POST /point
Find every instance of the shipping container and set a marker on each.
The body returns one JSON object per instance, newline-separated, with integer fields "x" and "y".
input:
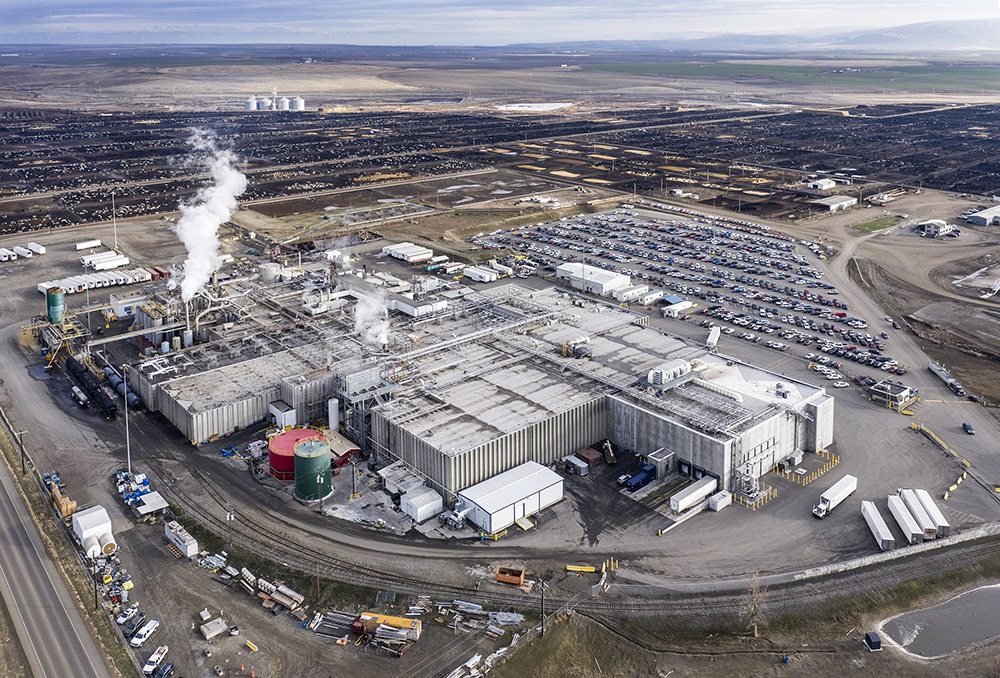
{"x": 911, "y": 531}
{"x": 694, "y": 493}
{"x": 919, "y": 514}
{"x": 510, "y": 575}
{"x": 881, "y": 532}
{"x": 943, "y": 528}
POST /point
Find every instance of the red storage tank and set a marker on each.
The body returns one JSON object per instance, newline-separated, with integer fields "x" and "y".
{"x": 281, "y": 451}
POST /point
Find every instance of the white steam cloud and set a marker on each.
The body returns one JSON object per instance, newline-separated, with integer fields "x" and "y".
{"x": 371, "y": 320}
{"x": 212, "y": 205}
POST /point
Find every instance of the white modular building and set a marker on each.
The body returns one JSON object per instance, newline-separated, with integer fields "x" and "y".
{"x": 421, "y": 503}
{"x": 499, "y": 502}
{"x": 181, "y": 538}
{"x": 834, "y": 203}
{"x": 592, "y": 279}
{"x": 822, "y": 184}
{"x": 92, "y": 528}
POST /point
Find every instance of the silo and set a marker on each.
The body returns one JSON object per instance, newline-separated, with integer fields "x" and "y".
{"x": 188, "y": 339}
{"x": 269, "y": 272}
{"x": 281, "y": 451}
{"x": 54, "y": 304}
{"x": 264, "y": 104}
{"x": 298, "y": 104}
{"x": 250, "y": 104}
{"x": 175, "y": 343}
{"x": 283, "y": 104}
{"x": 312, "y": 469}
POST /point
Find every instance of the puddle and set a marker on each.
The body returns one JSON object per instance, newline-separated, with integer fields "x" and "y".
{"x": 933, "y": 632}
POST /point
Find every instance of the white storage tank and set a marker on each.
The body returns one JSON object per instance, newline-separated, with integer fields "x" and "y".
{"x": 250, "y": 104}
{"x": 264, "y": 104}
{"x": 298, "y": 104}
{"x": 92, "y": 528}
{"x": 269, "y": 272}
{"x": 283, "y": 104}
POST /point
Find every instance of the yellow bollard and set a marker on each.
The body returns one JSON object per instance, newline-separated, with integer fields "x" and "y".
{"x": 946, "y": 496}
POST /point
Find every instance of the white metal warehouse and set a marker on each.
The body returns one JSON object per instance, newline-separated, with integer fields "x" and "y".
{"x": 518, "y": 493}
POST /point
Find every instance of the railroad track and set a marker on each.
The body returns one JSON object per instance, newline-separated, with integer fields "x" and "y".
{"x": 281, "y": 548}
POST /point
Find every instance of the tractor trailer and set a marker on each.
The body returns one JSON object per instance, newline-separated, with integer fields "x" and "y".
{"x": 830, "y": 499}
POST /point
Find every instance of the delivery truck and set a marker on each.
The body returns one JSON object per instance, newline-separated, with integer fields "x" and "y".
{"x": 830, "y": 499}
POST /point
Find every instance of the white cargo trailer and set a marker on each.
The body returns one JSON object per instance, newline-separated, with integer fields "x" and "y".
{"x": 692, "y": 494}
{"x": 111, "y": 263}
{"x": 9, "y": 255}
{"x": 881, "y": 532}
{"x": 91, "y": 259}
{"x": 906, "y": 523}
{"x": 87, "y": 245}
{"x": 36, "y": 248}
{"x": 23, "y": 252}
{"x": 943, "y": 528}
{"x": 479, "y": 274}
{"x": 919, "y": 514}
{"x": 830, "y": 499}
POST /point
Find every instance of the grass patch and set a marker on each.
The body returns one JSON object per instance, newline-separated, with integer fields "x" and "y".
{"x": 876, "y": 224}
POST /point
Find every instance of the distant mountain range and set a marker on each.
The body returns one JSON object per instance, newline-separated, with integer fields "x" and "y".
{"x": 931, "y": 36}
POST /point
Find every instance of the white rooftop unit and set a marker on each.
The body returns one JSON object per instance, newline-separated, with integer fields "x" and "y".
{"x": 943, "y": 528}
{"x": 421, "y": 503}
{"x": 911, "y": 530}
{"x": 505, "y": 498}
{"x": 668, "y": 371}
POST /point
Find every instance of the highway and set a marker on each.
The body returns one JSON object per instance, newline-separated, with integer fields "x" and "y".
{"x": 46, "y": 620}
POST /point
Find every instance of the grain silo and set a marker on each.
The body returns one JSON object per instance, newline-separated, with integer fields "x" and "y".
{"x": 312, "y": 469}
{"x": 250, "y": 104}
{"x": 55, "y": 305}
{"x": 298, "y": 104}
{"x": 282, "y": 104}
{"x": 264, "y": 104}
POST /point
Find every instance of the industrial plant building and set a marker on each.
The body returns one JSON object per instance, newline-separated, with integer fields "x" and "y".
{"x": 481, "y": 383}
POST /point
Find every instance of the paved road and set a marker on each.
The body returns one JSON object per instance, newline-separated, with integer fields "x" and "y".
{"x": 47, "y": 622}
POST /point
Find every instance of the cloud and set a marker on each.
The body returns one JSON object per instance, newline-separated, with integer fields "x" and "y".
{"x": 409, "y": 22}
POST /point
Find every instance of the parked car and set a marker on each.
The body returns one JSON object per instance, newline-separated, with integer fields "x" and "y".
{"x": 968, "y": 429}
{"x": 134, "y": 625}
{"x": 840, "y": 384}
{"x": 127, "y": 614}
{"x": 143, "y": 634}
{"x": 624, "y": 478}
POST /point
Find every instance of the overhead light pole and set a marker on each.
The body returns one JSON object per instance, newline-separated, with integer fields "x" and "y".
{"x": 20, "y": 443}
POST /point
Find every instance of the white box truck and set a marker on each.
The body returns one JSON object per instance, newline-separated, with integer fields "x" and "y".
{"x": 830, "y": 499}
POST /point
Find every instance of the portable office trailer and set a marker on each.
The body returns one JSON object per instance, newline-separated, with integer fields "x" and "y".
{"x": 919, "y": 514}
{"x": 906, "y": 523}
{"x": 881, "y": 532}
{"x": 943, "y": 528}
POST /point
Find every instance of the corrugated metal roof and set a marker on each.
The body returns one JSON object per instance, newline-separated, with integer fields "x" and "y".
{"x": 421, "y": 497}
{"x": 511, "y": 486}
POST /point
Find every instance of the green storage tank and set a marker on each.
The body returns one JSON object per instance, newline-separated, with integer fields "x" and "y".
{"x": 54, "y": 304}
{"x": 312, "y": 469}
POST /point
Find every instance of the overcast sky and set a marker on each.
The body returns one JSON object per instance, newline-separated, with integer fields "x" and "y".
{"x": 444, "y": 22}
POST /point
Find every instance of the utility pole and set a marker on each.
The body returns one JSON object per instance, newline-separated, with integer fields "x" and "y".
{"x": 319, "y": 483}
{"x": 95, "y": 583}
{"x": 230, "y": 517}
{"x": 542, "y": 586}
{"x": 20, "y": 442}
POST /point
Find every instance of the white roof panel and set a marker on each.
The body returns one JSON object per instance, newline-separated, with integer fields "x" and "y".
{"x": 511, "y": 486}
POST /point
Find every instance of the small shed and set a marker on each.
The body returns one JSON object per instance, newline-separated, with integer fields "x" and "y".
{"x": 214, "y": 628}
{"x": 589, "y": 455}
{"x": 421, "y": 503}
{"x": 873, "y": 642}
{"x": 398, "y": 477}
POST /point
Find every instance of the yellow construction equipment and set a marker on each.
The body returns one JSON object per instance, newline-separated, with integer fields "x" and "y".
{"x": 580, "y": 568}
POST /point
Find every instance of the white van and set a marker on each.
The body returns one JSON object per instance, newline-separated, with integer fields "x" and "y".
{"x": 145, "y": 632}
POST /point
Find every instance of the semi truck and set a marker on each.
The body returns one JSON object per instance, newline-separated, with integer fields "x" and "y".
{"x": 830, "y": 499}
{"x": 951, "y": 382}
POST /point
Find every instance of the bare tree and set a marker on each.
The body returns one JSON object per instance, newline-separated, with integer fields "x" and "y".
{"x": 753, "y": 605}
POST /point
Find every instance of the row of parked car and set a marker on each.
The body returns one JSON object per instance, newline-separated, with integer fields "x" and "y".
{"x": 137, "y": 630}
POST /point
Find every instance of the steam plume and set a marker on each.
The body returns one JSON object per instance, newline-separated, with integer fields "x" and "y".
{"x": 371, "y": 320}
{"x": 212, "y": 205}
